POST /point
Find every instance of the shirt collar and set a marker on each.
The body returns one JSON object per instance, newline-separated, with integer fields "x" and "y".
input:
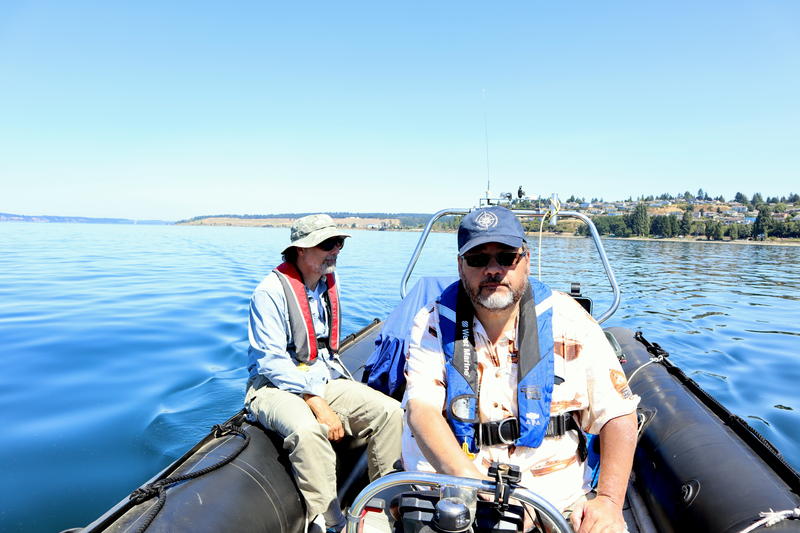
{"x": 509, "y": 334}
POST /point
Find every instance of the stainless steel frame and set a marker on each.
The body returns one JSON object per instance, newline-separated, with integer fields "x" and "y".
{"x": 425, "y": 478}
{"x": 523, "y": 212}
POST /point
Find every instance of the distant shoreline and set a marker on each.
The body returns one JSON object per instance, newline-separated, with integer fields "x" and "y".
{"x": 377, "y": 224}
{"x": 365, "y": 223}
{"x": 285, "y": 222}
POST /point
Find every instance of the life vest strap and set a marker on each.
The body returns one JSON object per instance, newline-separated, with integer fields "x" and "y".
{"x": 506, "y": 431}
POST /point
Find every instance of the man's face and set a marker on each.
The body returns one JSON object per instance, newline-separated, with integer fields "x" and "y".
{"x": 316, "y": 261}
{"x": 494, "y": 286}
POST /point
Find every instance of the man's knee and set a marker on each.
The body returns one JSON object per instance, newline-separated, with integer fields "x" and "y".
{"x": 395, "y": 415}
{"x": 380, "y": 402}
{"x": 388, "y": 415}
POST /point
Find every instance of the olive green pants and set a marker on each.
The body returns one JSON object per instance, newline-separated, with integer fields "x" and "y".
{"x": 365, "y": 414}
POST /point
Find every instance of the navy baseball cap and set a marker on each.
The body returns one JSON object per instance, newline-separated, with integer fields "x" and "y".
{"x": 490, "y": 224}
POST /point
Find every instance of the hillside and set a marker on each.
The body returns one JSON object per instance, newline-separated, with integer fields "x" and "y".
{"x": 354, "y": 222}
{"x": 11, "y": 217}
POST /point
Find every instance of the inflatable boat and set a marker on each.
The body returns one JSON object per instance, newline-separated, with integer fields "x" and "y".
{"x": 697, "y": 466}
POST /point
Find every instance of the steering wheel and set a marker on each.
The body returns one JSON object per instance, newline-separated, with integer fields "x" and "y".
{"x": 545, "y": 509}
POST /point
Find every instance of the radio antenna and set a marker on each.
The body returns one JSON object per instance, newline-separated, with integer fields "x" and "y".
{"x": 486, "y": 139}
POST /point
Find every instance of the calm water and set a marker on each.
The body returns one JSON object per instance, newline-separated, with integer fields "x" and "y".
{"x": 122, "y": 345}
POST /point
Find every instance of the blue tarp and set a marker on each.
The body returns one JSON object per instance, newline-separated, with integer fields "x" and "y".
{"x": 384, "y": 368}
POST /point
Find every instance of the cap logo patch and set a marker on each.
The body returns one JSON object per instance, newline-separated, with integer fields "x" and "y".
{"x": 486, "y": 220}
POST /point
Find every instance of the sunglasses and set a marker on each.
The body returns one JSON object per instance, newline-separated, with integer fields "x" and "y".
{"x": 328, "y": 244}
{"x": 504, "y": 259}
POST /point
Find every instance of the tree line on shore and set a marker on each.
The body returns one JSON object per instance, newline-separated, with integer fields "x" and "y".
{"x": 753, "y": 203}
{"x": 640, "y": 223}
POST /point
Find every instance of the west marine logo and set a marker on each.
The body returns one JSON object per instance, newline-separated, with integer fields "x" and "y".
{"x": 486, "y": 220}
{"x": 467, "y": 348}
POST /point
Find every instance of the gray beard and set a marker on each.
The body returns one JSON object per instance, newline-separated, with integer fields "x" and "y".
{"x": 495, "y": 302}
{"x": 328, "y": 269}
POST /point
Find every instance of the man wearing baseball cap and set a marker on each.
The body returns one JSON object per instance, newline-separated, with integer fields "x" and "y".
{"x": 503, "y": 369}
{"x": 298, "y": 386}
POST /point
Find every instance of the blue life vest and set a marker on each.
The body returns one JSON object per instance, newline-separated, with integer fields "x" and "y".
{"x": 535, "y": 367}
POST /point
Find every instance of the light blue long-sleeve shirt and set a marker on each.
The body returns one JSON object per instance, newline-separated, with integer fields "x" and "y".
{"x": 271, "y": 350}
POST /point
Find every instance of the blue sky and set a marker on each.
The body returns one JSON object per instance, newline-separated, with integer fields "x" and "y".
{"x": 174, "y": 109}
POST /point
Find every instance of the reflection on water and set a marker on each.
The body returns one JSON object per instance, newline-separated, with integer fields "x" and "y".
{"x": 122, "y": 345}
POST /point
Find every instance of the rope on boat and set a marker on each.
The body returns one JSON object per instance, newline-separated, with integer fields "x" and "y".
{"x": 338, "y": 359}
{"x": 770, "y": 518}
{"x": 159, "y": 488}
{"x": 650, "y": 362}
{"x": 657, "y": 353}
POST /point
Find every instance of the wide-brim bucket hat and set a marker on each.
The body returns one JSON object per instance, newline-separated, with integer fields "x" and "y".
{"x": 311, "y": 230}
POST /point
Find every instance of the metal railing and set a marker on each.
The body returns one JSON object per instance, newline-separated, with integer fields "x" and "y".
{"x": 536, "y": 213}
{"x": 546, "y": 509}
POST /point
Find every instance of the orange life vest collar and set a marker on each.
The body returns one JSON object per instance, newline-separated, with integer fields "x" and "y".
{"x": 301, "y": 323}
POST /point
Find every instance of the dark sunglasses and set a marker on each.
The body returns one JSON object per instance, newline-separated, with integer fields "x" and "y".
{"x": 504, "y": 259}
{"x": 328, "y": 244}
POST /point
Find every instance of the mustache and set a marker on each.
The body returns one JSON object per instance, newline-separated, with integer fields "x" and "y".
{"x": 493, "y": 278}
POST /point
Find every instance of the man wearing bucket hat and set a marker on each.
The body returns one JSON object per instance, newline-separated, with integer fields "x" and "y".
{"x": 501, "y": 368}
{"x": 298, "y": 387}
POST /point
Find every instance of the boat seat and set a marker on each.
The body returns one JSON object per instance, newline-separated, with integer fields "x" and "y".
{"x": 384, "y": 368}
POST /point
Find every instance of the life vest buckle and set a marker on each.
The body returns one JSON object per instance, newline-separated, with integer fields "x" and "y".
{"x": 513, "y": 429}
{"x": 504, "y": 431}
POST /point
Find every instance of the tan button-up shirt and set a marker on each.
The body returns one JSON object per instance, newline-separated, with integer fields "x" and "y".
{"x": 594, "y": 389}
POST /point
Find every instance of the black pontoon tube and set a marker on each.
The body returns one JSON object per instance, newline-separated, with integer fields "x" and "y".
{"x": 254, "y": 492}
{"x": 697, "y": 466}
